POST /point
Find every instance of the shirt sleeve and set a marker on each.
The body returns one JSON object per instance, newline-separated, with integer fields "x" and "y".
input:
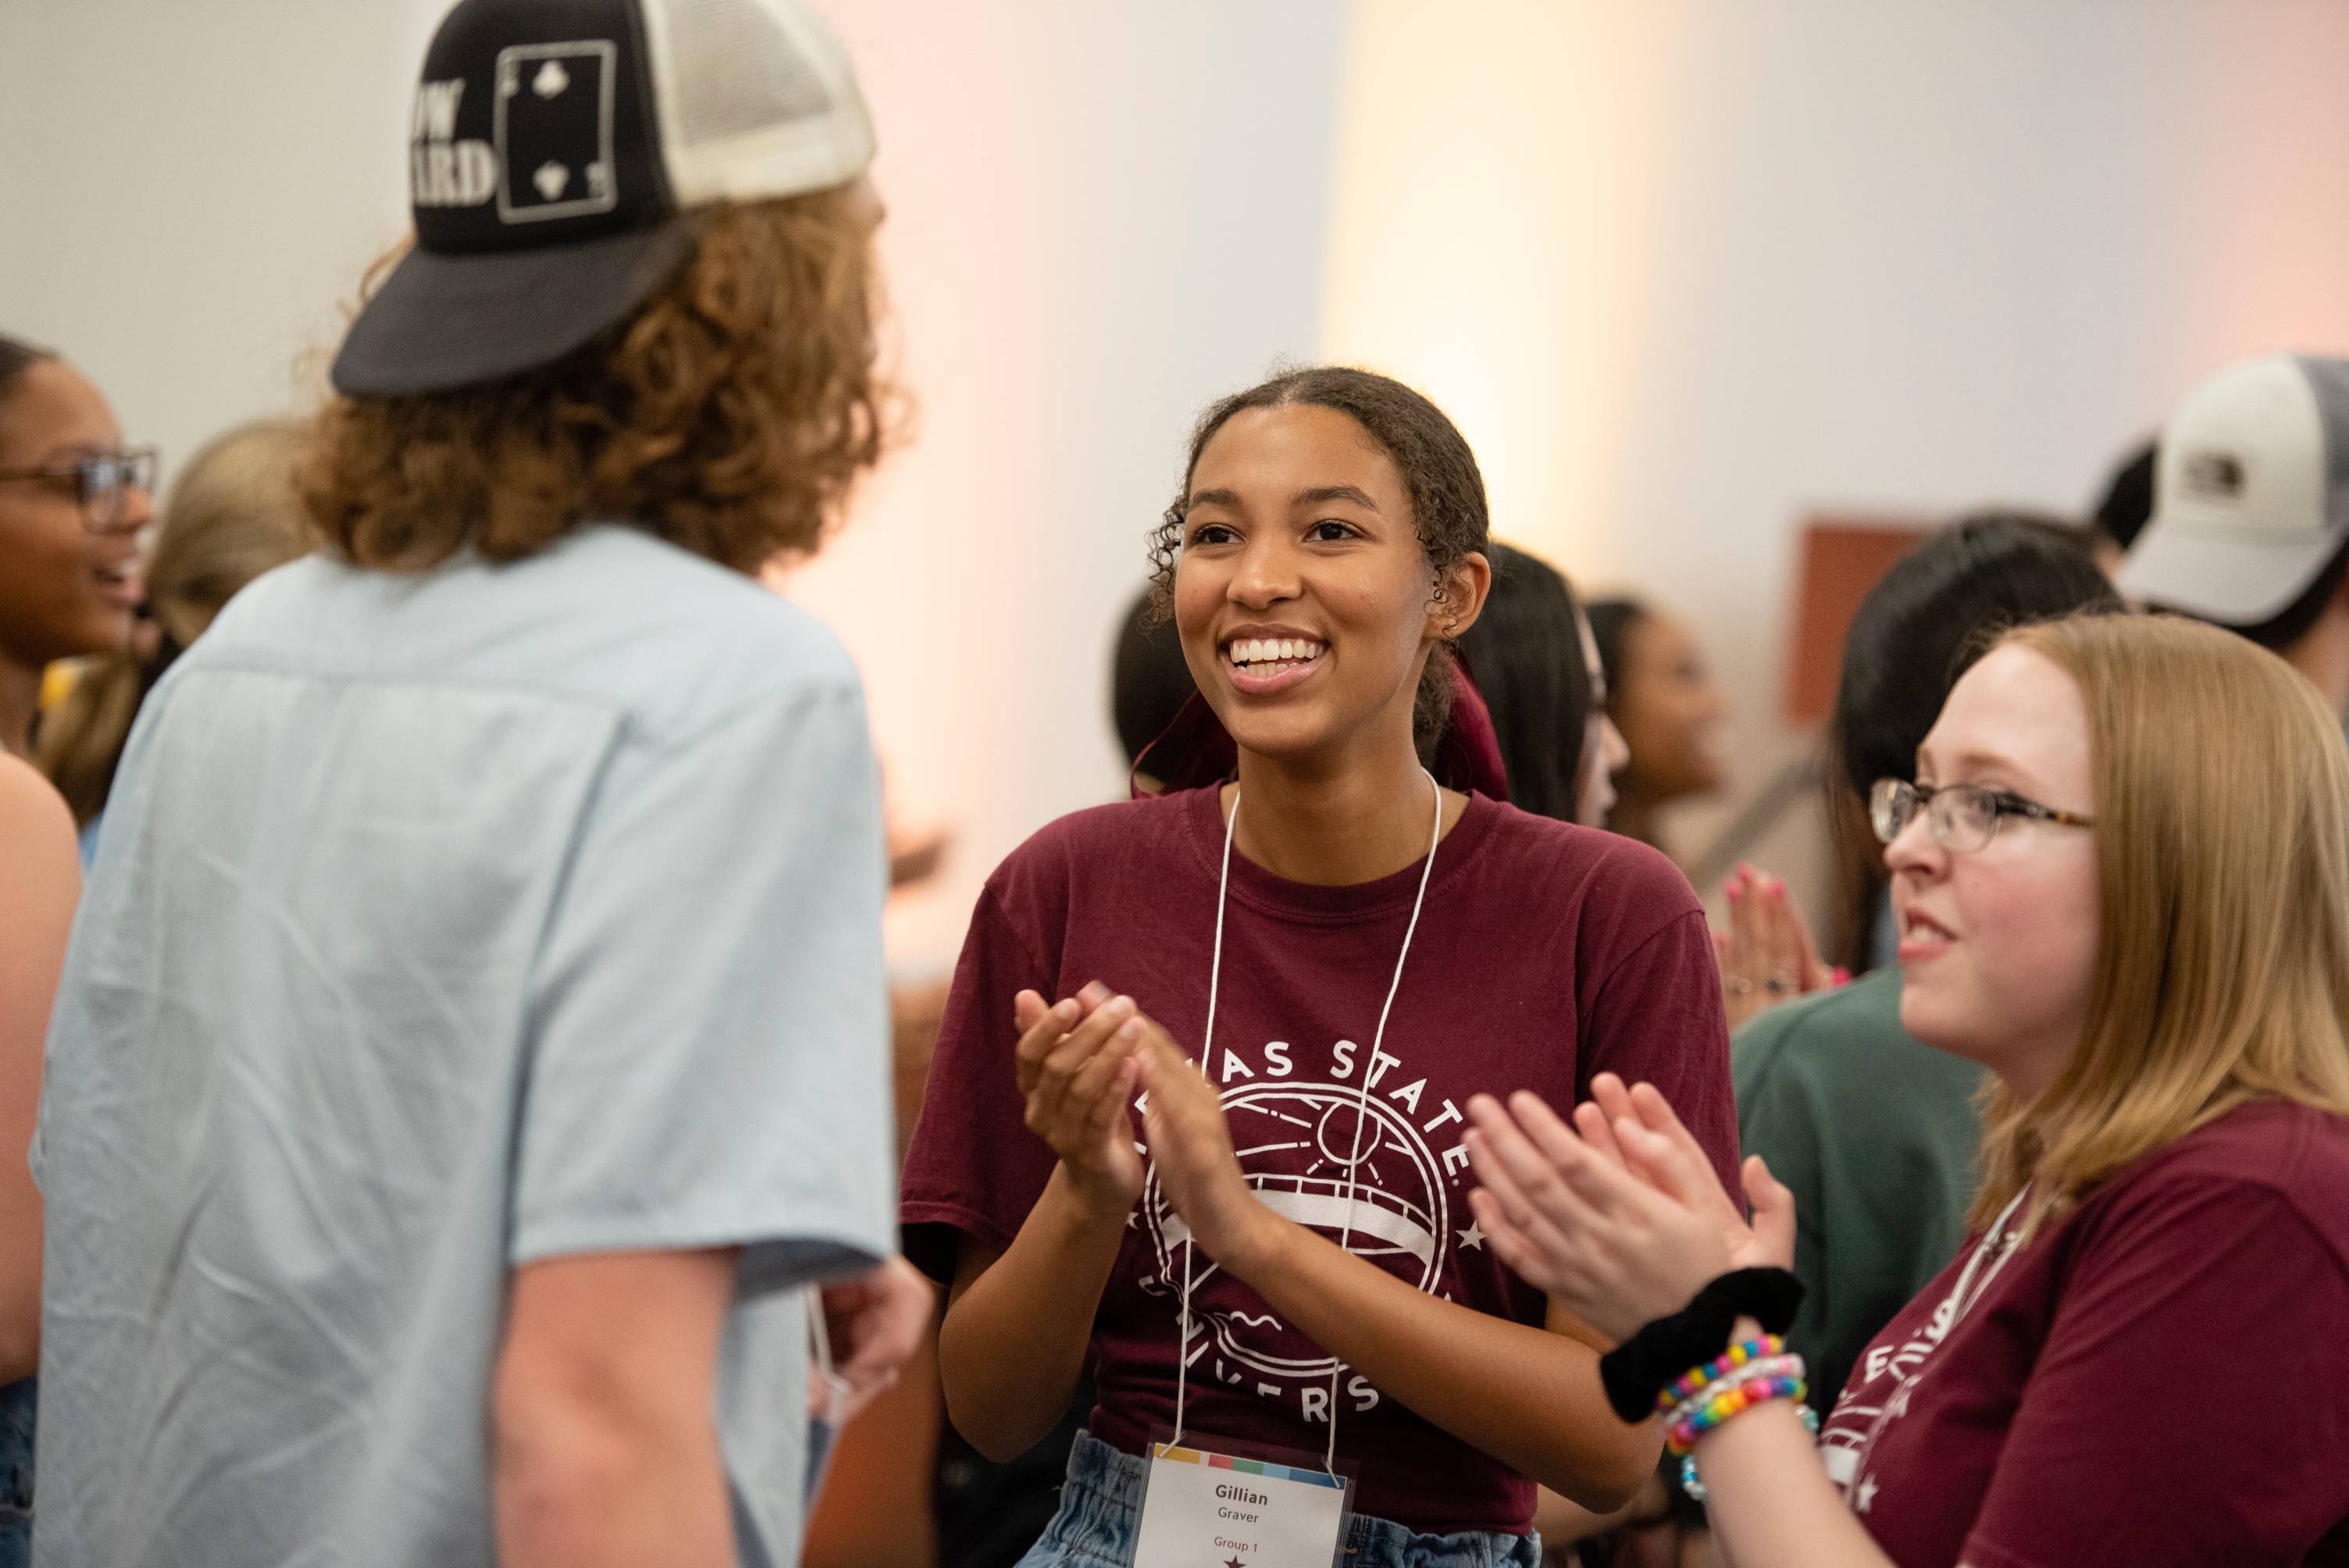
{"x": 1656, "y": 1018}
{"x": 2185, "y": 1407}
{"x": 975, "y": 1168}
{"x": 709, "y": 1062}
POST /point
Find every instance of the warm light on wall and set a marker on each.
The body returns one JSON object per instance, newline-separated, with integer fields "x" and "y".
{"x": 1503, "y": 180}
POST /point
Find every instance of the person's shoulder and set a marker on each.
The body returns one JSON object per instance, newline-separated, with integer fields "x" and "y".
{"x": 36, "y": 828}
{"x": 677, "y": 644}
{"x": 2291, "y": 1148}
{"x": 2266, "y": 1155}
{"x": 1609, "y": 865}
{"x": 1103, "y": 838}
{"x": 1823, "y": 1022}
{"x": 29, "y": 803}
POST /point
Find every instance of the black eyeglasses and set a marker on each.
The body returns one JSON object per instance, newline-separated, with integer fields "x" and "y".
{"x": 1960, "y": 816}
{"x": 102, "y": 483}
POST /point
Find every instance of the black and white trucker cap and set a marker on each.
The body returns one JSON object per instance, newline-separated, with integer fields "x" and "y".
{"x": 2251, "y": 493}
{"x": 556, "y": 151}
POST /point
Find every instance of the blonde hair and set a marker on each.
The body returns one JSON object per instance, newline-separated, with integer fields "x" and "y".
{"x": 2223, "y": 861}
{"x": 234, "y": 514}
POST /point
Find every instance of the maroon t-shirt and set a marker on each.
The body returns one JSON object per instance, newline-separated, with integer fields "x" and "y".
{"x": 2159, "y": 1377}
{"x": 1546, "y": 953}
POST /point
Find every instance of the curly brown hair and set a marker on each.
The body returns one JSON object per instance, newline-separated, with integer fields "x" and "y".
{"x": 1448, "y": 509}
{"x": 730, "y": 415}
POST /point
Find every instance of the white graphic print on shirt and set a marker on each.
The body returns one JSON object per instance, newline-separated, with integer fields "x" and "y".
{"x": 1298, "y": 1139}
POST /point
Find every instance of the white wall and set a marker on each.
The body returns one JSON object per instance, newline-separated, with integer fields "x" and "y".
{"x": 1688, "y": 270}
{"x": 190, "y": 189}
{"x": 1101, "y": 218}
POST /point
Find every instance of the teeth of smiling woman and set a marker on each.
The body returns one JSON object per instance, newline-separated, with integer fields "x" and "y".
{"x": 1274, "y": 650}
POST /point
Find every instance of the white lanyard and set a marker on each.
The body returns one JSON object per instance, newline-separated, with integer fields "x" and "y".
{"x": 1961, "y": 1301}
{"x": 1362, "y": 1111}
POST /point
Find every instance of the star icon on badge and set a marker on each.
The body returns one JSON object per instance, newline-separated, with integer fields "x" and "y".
{"x": 1234, "y": 1563}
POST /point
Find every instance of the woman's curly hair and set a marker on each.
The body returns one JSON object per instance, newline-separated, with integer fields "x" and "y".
{"x": 730, "y": 415}
{"x": 1448, "y": 509}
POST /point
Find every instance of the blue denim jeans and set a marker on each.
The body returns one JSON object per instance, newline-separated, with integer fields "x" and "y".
{"x": 1101, "y": 1515}
{"x": 17, "y": 1402}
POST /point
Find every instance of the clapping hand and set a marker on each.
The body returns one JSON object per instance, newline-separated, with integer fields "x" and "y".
{"x": 1077, "y": 1071}
{"x": 1620, "y": 1215}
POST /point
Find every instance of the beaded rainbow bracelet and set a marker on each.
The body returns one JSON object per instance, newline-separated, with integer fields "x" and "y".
{"x": 1787, "y": 1366}
{"x": 1731, "y": 1401}
{"x": 1687, "y": 1385}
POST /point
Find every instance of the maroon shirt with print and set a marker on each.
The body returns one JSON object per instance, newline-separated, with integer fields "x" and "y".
{"x": 1546, "y": 954}
{"x": 2159, "y": 1377}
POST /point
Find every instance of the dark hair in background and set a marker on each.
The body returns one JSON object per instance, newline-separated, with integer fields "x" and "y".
{"x": 1915, "y": 633}
{"x": 1149, "y": 682}
{"x": 1611, "y": 621}
{"x": 1447, "y": 490}
{"x": 2127, "y": 504}
{"x": 1524, "y": 653}
{"x": 18, "y": 356}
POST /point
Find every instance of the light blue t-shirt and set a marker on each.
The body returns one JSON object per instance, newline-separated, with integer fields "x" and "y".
{"x": 443, "y": 923}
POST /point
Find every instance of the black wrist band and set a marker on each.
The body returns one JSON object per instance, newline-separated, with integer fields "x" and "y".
{"x": 1636, "y": 1371}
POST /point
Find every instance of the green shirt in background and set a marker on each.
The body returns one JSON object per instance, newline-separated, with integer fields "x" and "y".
{"x": 1876, "y": 1133}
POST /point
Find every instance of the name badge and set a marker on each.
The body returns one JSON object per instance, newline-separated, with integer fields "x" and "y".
{"x": 1201, "y": 1508}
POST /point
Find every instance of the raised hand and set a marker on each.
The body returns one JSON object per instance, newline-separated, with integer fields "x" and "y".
{"x": 1077, "y": 1071}
{"x": 1190, "y": 1145}
{"x": 1767, "y": 954}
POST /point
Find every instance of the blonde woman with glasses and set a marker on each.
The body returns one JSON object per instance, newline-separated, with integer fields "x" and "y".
{"x": 2122, "y": 884}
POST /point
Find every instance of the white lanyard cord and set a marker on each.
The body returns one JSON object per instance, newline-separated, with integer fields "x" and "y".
{"x": 1362, "y": 1089}
{"x": 1961, "y": 1301}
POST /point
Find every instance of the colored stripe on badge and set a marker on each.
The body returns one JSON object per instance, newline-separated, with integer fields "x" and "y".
{"x": 1246, "y": 1466}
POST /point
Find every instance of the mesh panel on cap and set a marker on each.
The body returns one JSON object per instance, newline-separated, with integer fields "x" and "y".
{"x": 733, "y": 70}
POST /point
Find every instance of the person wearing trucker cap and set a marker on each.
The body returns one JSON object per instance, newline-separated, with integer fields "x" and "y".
{"x": 477, "y": 1032}
{"x": 2250, "y": 520}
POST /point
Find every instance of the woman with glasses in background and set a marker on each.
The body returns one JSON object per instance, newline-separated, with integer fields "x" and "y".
{"x": 71, "y": 505}
{"x": 72, "y": 502}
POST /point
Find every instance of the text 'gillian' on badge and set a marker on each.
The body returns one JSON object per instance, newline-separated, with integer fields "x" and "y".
{"x": 1201, "y": 1508}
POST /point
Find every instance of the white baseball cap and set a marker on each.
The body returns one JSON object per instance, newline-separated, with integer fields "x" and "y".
{"x": 557, "y": 153}
{"x": 2251, "y": 493}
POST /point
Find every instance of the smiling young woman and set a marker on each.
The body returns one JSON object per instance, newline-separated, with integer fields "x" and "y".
{"x": 71, "y": 505}
{"x": 1345, "y": 952}
{"x": 2122, "y": 880}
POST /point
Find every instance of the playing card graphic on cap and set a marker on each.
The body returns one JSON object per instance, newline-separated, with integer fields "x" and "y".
{"x": 557, "y": 152}
{"x": 554, "y": 131}
{"x": 2251, "y": 493}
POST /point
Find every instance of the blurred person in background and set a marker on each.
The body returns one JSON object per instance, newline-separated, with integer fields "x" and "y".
{"x": 1874, "y": 1133}
{"x": 2250, "y": 513}
{"x": 72, "y": 502}
{"x": 39, "y": 882}
{"x": 2123, "y": 877}
{"x": 1326, "y": 546}
{"x": 1662, "y": 695}
{"x": 476, "y": 1039}
{"x": 232, "y": 514}
{"x": 2125, "y": 507}
{"x": 1536, "y": 663}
